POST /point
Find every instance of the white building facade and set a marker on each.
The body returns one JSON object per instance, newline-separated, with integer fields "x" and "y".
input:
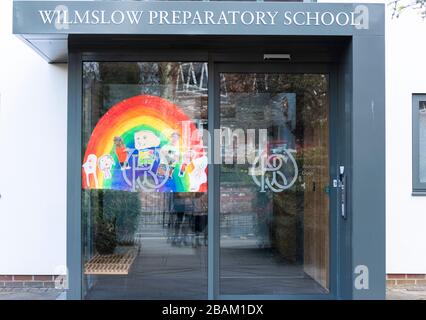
{"x": 33, "y": 140}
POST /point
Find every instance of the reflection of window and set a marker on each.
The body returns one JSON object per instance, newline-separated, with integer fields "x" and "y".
{"x": 419, "y": 143}
{"x": 422, "y": 107}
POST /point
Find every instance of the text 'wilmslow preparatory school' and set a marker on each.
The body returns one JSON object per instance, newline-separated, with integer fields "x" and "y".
{"x": 64, "y": 16}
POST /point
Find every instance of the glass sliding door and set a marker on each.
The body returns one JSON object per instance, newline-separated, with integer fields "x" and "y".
{"x": 144, "y": 170}
{"x": 274, "y": 184}
{"x": 144, "y": 180}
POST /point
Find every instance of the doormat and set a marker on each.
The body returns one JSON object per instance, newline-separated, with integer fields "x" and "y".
{"x": 111, "y": 264}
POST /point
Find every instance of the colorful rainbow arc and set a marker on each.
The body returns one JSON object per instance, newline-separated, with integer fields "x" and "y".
{"x": 132, "y": 115}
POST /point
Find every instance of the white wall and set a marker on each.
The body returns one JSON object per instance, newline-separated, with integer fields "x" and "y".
{"x": 32, "y": 157}
{"x": 405, "y": 75}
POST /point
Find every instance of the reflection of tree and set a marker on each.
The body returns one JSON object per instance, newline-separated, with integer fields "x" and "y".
{"x": 264, "y": 101}
{"x": 108, "y": 83}
{"x": 398, "y": 6}
{"x": 168, "y": 74}
{"x": 310, "y": 89}
{"x": 90, "y": 72}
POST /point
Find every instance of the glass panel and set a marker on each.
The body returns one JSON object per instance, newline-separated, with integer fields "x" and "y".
{"x": 422, "y": 142}
{"x": 274, "y": 184}
{"x": 144, "y": 174}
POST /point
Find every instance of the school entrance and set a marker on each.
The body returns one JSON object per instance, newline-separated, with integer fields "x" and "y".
{"x": 217, "y": 159}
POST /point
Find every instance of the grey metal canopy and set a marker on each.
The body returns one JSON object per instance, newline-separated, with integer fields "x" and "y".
{"x": 46, "y": 25}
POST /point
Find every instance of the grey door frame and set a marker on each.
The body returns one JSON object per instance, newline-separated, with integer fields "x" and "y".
{"x": 359, "y": 83}
{"x": 74, "y": 146}
{"x": 216, "y": 65}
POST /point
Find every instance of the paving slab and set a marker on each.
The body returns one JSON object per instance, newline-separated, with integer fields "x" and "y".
{"x": 30, "y": 294}
{"x": 410, "y": 293}
{"x": 53, "y": 294}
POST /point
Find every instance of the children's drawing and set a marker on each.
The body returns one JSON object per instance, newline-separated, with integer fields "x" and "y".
{"x": 146, "y": 143}
{"x": 121, "y": 152}
{"x": 169, "y": 156}
{"x": 197, "y": 174}
{"x": 105, "y": 165}
{"x": 148, "y": 139}
{"x": 89, "y": 168}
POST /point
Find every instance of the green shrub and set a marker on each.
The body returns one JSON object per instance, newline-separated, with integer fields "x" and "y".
{"x": 114, "y": 215}
{"x": 123, "y": 207}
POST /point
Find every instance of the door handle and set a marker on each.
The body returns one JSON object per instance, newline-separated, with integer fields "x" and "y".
{"x": 342, "y": 191}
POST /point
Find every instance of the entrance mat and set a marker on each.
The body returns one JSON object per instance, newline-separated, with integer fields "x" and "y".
{"x": 111, "y": 264}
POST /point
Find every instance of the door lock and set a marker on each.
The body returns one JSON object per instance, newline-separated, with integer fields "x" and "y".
{"x": 342, "y": 189}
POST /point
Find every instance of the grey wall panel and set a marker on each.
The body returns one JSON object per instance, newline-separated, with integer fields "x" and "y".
{"x": 368, "y": 164}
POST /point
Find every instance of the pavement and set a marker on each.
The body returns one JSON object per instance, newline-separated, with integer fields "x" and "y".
{"x": 414, "y": 293}
{"x": 31, "y": 294}
{"x": 409, "y": 293}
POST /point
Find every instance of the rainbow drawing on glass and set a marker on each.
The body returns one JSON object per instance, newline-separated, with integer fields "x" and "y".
{"x": 145, "y": 143}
